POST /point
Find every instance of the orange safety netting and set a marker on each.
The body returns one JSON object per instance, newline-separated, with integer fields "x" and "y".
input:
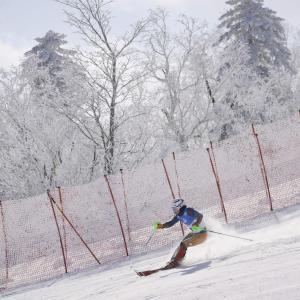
{"x": 232, "y": 181}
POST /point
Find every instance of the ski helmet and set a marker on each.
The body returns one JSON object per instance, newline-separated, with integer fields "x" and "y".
{"x": 178, "y": 203}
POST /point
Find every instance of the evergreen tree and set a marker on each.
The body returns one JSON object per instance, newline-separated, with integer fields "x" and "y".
{"x": 49, "y": 55}
{"x": 258, "y": 27}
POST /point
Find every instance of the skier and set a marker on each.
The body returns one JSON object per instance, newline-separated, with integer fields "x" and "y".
{"x": 192, "y": 219}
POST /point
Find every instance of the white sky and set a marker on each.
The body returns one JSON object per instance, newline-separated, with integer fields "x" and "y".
{"x": 21, "y": 21}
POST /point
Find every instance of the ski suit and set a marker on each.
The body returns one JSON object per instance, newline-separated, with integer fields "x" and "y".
{"x": 190, "y": 217}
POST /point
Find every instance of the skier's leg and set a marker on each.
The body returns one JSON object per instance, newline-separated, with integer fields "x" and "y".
{"x": 192, "y": 239}
{"x": 179, "y": 252}
{"x": 177, "y": 257}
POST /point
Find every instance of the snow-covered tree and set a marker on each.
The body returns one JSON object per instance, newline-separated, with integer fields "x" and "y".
{"x": 252, "y": 52}
{"x": 177, "y": 65}
{"x": 39, "y": 149}
{"x": 114, "y": 79}
{"x": 243, "y": 98}
{"x": 257, "y": 27}
{"x": 42, "y": 148}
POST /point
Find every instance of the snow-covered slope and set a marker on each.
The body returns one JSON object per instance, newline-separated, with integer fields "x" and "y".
{"x": 221, "y": 268}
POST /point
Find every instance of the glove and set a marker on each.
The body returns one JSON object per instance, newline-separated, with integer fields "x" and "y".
{"x": 157, "y": 225}
{"x": 197, "y": 228}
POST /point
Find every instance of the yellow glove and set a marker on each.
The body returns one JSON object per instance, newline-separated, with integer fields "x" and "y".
{"x": 157, "y": 225}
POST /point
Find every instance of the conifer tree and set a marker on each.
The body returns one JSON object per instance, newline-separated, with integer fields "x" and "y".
{"x": 257, "y": 27}
{"x": 49, "y": 55}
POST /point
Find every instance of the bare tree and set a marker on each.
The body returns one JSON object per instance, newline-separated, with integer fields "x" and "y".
{"x": 181, "y": 85}
{"x": 114, "y": 76}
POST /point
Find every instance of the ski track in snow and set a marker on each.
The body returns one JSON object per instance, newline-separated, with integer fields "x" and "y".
{"x": 221, "y": 268}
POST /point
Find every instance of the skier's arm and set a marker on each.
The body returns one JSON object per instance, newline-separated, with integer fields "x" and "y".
{"x": 168, "y": 224}
{"x": 171, "y": 222}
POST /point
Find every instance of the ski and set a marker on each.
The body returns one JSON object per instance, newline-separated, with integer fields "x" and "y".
{"x": 148, "y": 272}
{"x": 170, "y": 265}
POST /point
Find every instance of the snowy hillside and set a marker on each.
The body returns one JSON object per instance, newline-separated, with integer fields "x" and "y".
{"x": 97, "y": 140}
{"x": 221, "y": 268}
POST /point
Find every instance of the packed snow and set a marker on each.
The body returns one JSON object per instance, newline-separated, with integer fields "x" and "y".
{"x": 221, "y": 268}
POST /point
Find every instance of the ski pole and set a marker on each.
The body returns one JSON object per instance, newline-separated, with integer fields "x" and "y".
{"x": 151, "y": 236}
{"x": 233, "y": 236}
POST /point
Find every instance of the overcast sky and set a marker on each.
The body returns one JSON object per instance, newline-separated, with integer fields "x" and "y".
{"x": 21, "y": 21}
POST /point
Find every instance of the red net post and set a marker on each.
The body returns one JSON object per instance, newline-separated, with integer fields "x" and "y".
{"x": 264, "y": 171}
{"x": 280, "y": 144}
{"x": 63, "y": 223}
{"x": 125, "y": 203}
{"x": 216, "y": 172}
{"x": 168, "y": 179}
{"x": 177, "y": 178}
{"x": 218, "y": 185}
{"x": 214, "y": 160}
{"x": 58, "y": 230}
{"x": 261, "y": 168}
{"x": 117, "y": 212}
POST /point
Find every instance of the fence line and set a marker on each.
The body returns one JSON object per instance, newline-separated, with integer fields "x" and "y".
{"x": 34, "y": 249}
